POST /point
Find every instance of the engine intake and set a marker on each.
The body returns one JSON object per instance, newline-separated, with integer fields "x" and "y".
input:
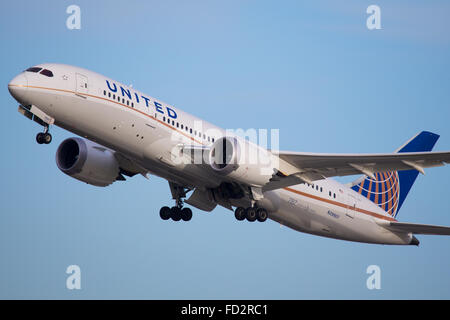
{"x": 87, "y": 161}
{"x": 224, "y": 155}
{"x": 242, "y": 160}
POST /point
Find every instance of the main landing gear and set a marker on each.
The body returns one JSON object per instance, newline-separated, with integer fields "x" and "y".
{"x": 176, "y": 213}
{"x": 251, "y": 214}
{"x": 44, "y": 137}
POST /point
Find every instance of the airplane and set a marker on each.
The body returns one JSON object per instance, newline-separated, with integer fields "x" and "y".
{"x": 123, "y": 132}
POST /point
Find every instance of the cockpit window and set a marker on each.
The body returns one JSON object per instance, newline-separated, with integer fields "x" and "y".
{"x": 34, "y": 69}
{"x": 44, "y": 72}
{"x": 47, "y": 73}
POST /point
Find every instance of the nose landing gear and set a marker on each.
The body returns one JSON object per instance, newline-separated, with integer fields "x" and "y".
{"x": 44, "y": 137}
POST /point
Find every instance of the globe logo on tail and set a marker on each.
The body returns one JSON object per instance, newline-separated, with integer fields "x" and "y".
{"x": 384, "y": 191}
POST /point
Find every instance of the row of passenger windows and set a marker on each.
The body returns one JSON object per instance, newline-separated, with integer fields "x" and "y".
{"x": 331, "y": 194}
{"x": 168, "y": 120}
{"x": 119, "y": 99}
{"x": 187, "y": 129}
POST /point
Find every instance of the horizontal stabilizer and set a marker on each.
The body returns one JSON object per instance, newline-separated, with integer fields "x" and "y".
{"x": 419, "y": 228}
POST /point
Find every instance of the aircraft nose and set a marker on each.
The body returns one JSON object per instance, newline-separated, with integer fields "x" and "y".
{"x": 18, "y": 87}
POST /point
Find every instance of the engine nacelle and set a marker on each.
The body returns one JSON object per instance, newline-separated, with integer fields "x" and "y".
{"x": 242, "y": 160}
{"x": 87, "y": 161}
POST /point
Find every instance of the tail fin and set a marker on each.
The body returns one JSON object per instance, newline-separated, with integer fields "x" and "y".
{"x": 390, "y": 189}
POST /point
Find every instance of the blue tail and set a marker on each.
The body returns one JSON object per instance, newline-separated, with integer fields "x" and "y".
{"x": 390, "y": 189}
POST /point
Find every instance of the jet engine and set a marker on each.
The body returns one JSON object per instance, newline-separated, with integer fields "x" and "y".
{"x": 242, "y": 160}
{"x": 88, "y": 162}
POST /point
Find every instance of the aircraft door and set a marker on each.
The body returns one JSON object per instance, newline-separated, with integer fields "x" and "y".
{"x": 82, "y": 84}
{"x": 350, "y": 207}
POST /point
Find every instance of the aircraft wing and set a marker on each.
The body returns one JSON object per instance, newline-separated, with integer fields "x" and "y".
{"x": 300, "y": 167}
{"x": 329, "y": 165}
{"x": 419, "y": 228}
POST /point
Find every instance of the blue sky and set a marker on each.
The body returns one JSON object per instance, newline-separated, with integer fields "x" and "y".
{"x": 312, "y": 70}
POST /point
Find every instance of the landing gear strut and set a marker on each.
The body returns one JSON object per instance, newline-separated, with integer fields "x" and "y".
{"x": 251, "y": 214}
{"x": 44, "y": 137}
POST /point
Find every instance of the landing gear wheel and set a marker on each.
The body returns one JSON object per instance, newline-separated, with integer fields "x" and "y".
{"x": 251, "y": 214}
{"x": 40, "y": 138}
{"x": 47, "y": 138}
{"x": 164, "y": 213}
{"x": 175, "y": 212}
{"x": 261, "y": 214}
{"x": 186, "y": 214}
{"x": 239, "y": 213}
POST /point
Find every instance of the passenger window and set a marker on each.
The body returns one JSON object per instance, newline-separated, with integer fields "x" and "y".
{"x": 190, "y": 130}
{"x": 132, "y": 105}
{"x": 182, "y": 126}
{"x": 164, "y": 119}
{"x": 334, "y": 195}
{"x": 104, "y": 92}
{"x": 177, "y": 125}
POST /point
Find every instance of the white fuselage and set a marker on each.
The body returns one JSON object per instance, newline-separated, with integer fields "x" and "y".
{"x": 146, "y": 130}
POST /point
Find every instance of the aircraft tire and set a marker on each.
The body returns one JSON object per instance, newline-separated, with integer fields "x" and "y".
{"x": 175, "y": 213}
{"x": 261, "y": 214}
{"x": 40, "y": 138}
{"x": 186, "y": 214}
{"x": 239, "y": 213}
{"x": 250, "y": 214}
{"x": 47, "y": 138}
{"x": 164, "y": 213}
